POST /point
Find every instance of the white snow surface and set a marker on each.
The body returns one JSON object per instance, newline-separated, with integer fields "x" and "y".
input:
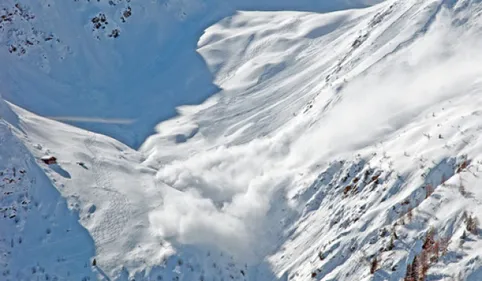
{"x": 297, "y": 139}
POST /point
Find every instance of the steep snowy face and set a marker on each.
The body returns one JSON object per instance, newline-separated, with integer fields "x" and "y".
{"x": 328, "y": 129}
{"x": 116, "y": 67}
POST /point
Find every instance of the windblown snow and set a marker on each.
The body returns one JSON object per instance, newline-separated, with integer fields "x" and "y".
{"x": 240, "y": 140}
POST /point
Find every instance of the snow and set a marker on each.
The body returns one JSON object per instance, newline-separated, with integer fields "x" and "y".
{"x": 40, "y": 237}
{"x": 84, "y": 75}
{"x": 307, "y": 136}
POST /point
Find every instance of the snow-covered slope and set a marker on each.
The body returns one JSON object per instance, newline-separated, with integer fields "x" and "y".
{"x": 323, "y": 146}
{"x": 130, "y": 62}
{"x": 40, "y": 238}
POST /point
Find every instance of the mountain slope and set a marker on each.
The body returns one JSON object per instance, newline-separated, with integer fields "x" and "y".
{"x": 86, "y": 73}
{"x": 337, "y": 144}
{"x": 40, "y": 237}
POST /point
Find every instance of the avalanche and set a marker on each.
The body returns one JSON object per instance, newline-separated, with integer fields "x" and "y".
{"x": 295, "y": 140}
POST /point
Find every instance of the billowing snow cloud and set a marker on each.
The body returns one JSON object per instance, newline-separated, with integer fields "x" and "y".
{"x": 231, "y": 197}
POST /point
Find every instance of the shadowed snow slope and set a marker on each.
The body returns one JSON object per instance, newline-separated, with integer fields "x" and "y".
{"x": 340, "y": 145}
